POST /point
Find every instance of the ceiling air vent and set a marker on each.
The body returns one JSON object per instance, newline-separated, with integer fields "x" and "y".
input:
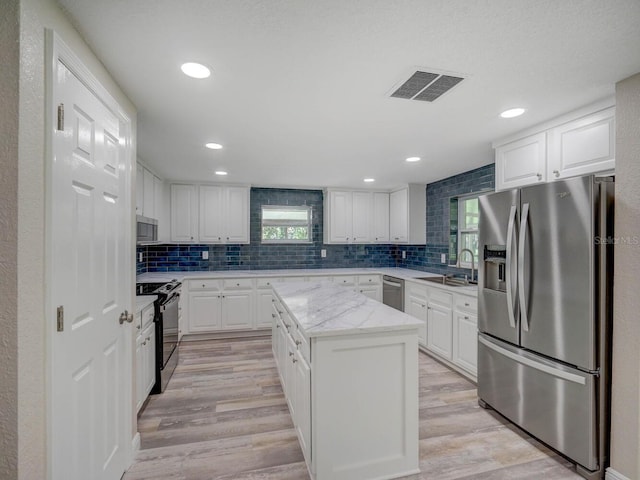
{"x": 426, "y": 86}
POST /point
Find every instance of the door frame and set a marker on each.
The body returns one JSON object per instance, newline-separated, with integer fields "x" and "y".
{"x": 56, "y": 50}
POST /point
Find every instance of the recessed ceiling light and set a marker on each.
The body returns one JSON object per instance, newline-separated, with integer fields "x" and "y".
{"x": 195, "y": 70}
{"x": 413, "y": 159}
{"x": 369, "y": 180}
{"x": 221, "y": 172}
{"x": 213, "y": 146}
{"x": 512, "y": 112}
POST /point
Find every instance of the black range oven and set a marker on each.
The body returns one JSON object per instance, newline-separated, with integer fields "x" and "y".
{"x": 166, "y": 319}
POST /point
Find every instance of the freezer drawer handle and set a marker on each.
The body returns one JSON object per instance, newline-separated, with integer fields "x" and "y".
{"x": 510, "y": 288}
{"x": 533, "y": 364}
{"x": 521, "y": 285}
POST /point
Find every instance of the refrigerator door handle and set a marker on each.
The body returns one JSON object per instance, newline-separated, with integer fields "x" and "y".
{"x": 510, "y": 288}
{"x": 556, "y": 372}
{"x": 521, "y": 284}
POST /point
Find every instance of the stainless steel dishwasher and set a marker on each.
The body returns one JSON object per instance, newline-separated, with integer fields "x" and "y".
{"x": 393, "y": 292}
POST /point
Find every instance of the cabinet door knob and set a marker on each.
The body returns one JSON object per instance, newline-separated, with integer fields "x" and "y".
{"x": 466, "y": 304}
{"x": 556, "y": 173}
{"x": 294, "y": 360}
{"x": 539, "y": 175}
{"x": 466, "y": 318}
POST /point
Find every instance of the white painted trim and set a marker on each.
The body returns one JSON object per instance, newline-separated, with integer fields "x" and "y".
{"x": 57, "y": 50}
{"x": 613, "y": 475}
{"x": 135, "y": 443}
{"x": 554, "y": 122}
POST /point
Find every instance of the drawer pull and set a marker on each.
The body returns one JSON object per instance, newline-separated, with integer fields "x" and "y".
{"x": 273, "y": 315}
{"x": 294, "y": 360}
{"x": 466, "y": 304}
{"x": 298, "y": 342}
{"x": 466, "y": 318}
{"x": 291, "y": 354}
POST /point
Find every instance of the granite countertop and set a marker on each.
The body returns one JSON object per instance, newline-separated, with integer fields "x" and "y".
{"x": 403, "y": 273}
{"x": 143, "y": 301}
{"x": 327, "y": 309}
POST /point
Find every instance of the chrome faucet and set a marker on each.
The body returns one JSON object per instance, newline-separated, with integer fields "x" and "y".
{"x": 472, "y": 260}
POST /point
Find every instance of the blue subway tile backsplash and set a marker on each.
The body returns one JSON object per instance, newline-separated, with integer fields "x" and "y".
{"x": 258, "y": 256}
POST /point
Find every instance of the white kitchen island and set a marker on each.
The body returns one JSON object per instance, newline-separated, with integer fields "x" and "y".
{"x": 349, "y": 369}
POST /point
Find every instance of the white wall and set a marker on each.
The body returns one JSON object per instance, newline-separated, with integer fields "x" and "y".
{"x": 9, "y": 59}
{"x": 625, "y": 422}
{"x": 35, "y": 16}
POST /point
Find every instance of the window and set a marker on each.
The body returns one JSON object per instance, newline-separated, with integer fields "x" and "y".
{"x": 468, "y": 216}
{"x": 286, "y": 224}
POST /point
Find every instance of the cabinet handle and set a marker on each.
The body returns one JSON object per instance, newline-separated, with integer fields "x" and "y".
{"x": 539, "y": 175}
{"x": 144, "y": 343}
{"x": 298, "y": 342}
{"x": 466, "y": 318}
{"x": 219, "y": 238}
{"x": 556, "y": 173}
{"x": 273, "y": 315}
{"x": 277, "y": 325}
{"x": 294, "y": 360}
{"x": 148, "y": 339}
{"x": 138, "y": 327}
{"x": 203, "y": 285}
{"x": 291, "y": 354}
{"x": 466, "y": 304}
{"x": 237, "y": 284}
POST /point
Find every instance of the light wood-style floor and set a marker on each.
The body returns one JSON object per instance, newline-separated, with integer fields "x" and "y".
{"x": 224, "y": 416}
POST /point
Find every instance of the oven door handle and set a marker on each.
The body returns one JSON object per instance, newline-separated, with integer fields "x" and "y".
{"x": 168, "y": 304}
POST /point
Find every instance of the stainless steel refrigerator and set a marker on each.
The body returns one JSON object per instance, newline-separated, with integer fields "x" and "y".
{"x": 544, "y": 313}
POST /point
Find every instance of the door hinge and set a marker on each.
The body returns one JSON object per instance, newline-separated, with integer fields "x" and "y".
{"x": 61, "y": 117}
{"x": 60, "y": 318}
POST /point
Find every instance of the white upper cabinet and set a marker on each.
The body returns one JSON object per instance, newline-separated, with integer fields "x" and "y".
{"x": 209, "y": 214}
{"x": 338, "y": 211}
{"x": 184, "y": 213}
{"x": 148, "y": 193}
{"x": 407, "y": 215}
{"x": 522, "y": 162}
{"x": 380, "y": 218}
{"x": 583, "y": 146}
{"x": 579, "y": 143}
{"x": 353, "y": 216}
{"x": 139, "y": 188}
{"x": 237, "y": 214}
{"x": 361, "y": 216}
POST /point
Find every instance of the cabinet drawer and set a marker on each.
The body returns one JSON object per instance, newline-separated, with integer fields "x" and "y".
{"x": 369, "y": 280}
{"x": 291, "y": 279}
{"x": 345, "y": 280}
{"x": 266, "y": 282}
{"x": 198, "y": 285}
{"x": 237, "y": 284}
{"x": 439, "y": 296}
{"x": 147, "y": 316}
{"x": 466, "y": 304}
{"x": 320, "y": 278}
{"x": 415, "y": 290}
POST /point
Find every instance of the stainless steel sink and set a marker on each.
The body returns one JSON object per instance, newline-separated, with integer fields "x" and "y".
{"x": 449, "y": 281}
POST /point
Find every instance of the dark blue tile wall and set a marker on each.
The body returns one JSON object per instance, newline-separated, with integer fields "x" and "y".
{"x": 438, "y": 205}
{"x": 258, "y": 256}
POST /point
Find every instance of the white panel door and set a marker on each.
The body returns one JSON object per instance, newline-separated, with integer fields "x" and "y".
{"x": 465, "y": 341}
{"x": 399, "y": 216}
{"x": 139, "y": 188}
{"x": 523, "y": 162}
{"x": 361, "y": 217}
{"x": 439, "y": 330}
{"x": 380, "y": 222}
{"x": 148, "y": 194}
{"x": 264, "y": 314}
{"x": 237, "y": 215}
{"x": 211, "y": 214}
{"x": 417, "y": 308}
{"x": 204, "y": 312}
{"x": 90, "y": 230}
{"x": 184, "y": 213}
{"x": 340, "y": 216}
{"x": 236, "y": 310}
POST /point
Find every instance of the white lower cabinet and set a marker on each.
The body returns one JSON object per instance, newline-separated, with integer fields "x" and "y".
{"x": 439, "y": 323}
{"x": 204, "y": 311}
{"x": 451, "y": 324}
{"x": 236, "y": 310}
{"x": 145, "y": 355}
{"x": 357, "y": 394}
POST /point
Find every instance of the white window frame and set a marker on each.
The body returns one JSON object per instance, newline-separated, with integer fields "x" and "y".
{"x": 464, "y": 262}
{"x": 286, "y": 223}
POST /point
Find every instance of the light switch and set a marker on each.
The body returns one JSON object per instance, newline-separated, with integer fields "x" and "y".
{"x": 205, "y": 255}
{"x": 140, "y": 256}
{"x": 404, "y": 254}
{"x": 323, "y": 253}
{"x": 443, "y": 258}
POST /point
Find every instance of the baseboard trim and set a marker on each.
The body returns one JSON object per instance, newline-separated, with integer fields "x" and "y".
{"x": 135, "y": 443}
{"x": 613, "y": 475}
{"x": 194, "y": 337}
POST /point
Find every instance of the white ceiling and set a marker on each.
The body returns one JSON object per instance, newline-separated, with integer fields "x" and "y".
{"x": 299, "y": 92}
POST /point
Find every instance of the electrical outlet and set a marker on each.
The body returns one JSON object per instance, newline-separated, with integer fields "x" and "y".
{"x": 205, "y": 255}
{"x": 443, "y": 258}
{"x": 404, "y": 254}
{"x": 140, "y": 257}
{"x": 323, "y": 253}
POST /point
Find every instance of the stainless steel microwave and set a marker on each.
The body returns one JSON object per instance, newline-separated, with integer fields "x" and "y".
{"x": 147, "y": 229}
